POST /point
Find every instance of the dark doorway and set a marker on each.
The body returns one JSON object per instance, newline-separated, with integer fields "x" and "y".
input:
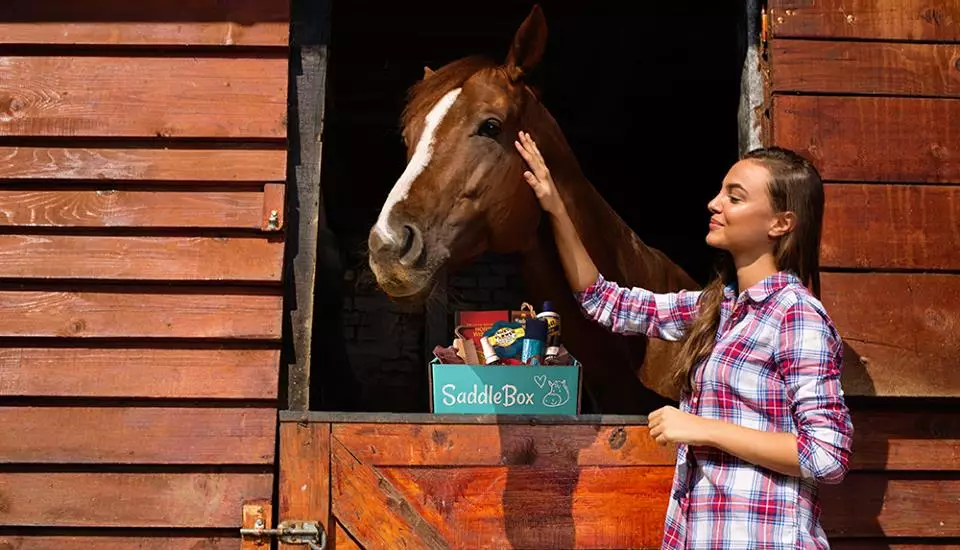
{"x": 646, "y": 93}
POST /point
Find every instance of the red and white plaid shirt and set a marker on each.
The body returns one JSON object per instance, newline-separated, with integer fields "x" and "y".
{"x": 775, "y": 367}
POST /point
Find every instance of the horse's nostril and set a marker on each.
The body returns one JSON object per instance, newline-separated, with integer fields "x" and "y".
{"x": 412, "y": 245}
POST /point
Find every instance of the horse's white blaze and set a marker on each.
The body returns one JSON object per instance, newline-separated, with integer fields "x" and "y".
{"x": 418, "y": 162}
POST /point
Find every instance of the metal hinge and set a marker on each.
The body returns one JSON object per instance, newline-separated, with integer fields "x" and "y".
{"x": 310, "y": 533}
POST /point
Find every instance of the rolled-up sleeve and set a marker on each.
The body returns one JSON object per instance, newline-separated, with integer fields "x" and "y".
{"x": 810, "y": 354}
{"x": 639, "y": 311}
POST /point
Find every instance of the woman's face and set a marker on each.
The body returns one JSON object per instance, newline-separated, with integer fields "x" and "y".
{"x": 743, "y": 221}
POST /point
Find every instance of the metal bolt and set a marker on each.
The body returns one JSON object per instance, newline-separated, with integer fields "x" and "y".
{"x": 779, "y": 19}
{"x": 850, "y": 18}
{"x": 274, "y": 221}
{"x": 259, "y": 524}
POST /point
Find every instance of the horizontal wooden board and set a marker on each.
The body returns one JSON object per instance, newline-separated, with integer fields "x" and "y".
{"x": 132, "y": 164}
{"x": 880, "y": 504}
{"x": 116, "y": 314}
{"x": 493, "y": 445}
{"x": 155, "y": 22}
{"x": 906, "y": 441}
{"x": 515, "y": 507}
{"x": 171, "y": 96}
{"x": 139, "y": 435}
{"x": 121, "y": 208}
{"x": 891, "y": 226}
{"x": 139, "y": 373}
{"x": 141, "y": 258}
{"x": 816, "y": 66}
{"x": 128, "y": 499}
{"x": 110, "y": 542}
{"x": 870, "y": 19}
{"x": 872, "y": 138}
{"x": 902, "y": 332}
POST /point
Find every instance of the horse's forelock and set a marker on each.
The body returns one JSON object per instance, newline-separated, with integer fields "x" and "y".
{"x": 422, "y": 96}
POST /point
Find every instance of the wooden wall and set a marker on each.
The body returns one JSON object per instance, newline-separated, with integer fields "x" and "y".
{"x": 142, "y": 153}
{"x": 870, "y": 91}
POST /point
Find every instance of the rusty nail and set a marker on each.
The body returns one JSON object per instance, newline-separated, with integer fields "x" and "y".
{"x": 850, "y": 18}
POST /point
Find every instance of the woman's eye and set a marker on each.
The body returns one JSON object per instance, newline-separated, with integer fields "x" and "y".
{"x": 734, "y": 199}
{"x": 490, "y": 128}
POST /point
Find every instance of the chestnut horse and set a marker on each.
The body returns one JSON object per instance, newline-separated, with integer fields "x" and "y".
{"x": 462, "y": 193}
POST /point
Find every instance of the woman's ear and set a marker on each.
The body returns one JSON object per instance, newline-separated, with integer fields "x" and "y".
{"x": 783, "y": 223}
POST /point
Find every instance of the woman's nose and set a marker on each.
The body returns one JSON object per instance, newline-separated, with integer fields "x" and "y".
{"x": 714, "y": 205}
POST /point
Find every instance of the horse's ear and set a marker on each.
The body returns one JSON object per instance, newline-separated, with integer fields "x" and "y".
{"x": 528, "y": 44}
{"x": 427, "y": 72}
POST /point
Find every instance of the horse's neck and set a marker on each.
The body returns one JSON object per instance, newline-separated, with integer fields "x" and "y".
{"x": 616, "y": 250}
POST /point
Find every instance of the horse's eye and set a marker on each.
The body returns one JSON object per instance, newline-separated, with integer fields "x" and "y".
{"x": 490, "y": 128}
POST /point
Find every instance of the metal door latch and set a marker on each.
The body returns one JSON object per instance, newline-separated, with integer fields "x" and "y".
{"x": 310, "y": 533}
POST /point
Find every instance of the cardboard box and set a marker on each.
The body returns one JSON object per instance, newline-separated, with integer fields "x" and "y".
{"x": 505, "y": 389}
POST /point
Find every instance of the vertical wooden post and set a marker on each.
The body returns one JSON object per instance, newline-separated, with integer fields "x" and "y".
{"x": 308, "y": 71}
{"x": 304, "y": 486}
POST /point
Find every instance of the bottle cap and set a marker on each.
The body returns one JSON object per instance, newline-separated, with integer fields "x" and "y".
{"x": 488, "y": 353}
{"x": 547, "y": 305}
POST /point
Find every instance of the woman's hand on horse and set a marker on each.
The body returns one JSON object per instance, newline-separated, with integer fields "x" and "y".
{"x": 538, "y": 176}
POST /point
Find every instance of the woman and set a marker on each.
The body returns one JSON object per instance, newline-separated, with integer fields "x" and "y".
{"x": 762, "y": 419}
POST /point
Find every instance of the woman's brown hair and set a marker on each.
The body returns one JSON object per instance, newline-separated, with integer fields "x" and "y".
{"x": 794, "y": 186}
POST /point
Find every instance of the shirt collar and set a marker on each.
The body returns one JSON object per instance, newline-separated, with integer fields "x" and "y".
{"x": 764, "y": 288}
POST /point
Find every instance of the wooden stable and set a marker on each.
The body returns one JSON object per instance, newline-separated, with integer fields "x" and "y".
{"x": 146, "y": 155}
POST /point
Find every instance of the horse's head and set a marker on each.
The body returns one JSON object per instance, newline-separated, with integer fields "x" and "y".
{"x": 462, "y": 192}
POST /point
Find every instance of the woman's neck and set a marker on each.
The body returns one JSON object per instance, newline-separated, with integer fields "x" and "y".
{"x": 753, "y": 268}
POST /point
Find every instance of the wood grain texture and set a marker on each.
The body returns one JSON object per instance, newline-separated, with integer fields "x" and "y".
{"x": 139, "y": 435}
{"x": 902, "y": 332}
{"x": 815, "y": 66}
{"x": 251, "y": 259}
{"x": 172, "y": 97}
{"x": 342, "y": 540}
{"x": 529, "y": 507}
{"x": 881, "y": 504}
{"x": 138, "y": 164}
{"x": 891, "y": 226}
{"x": 372, "y": 509}
{"x": 305, "y": 474}
{"x": 869, "y": 19}
{"x": 128, "y": 499}
{"x": 148, "y": 22}
{"x": 139, "y": 373}
{"x": 493, "y": 445}
{"x": 121, "y": 208}
{"x": 872, "y": 138}
{"x": 111, "y": 542}
{"x": 112, "y": 314}
{"x": 901, "y": 441}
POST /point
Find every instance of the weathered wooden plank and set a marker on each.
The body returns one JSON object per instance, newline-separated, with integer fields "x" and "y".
{"x": 816, "y": 66}
{"x": 891, "y": 226}
{"x": 128, "y": 499}
{"x": 372, "y": 509}
{"x": 109, "y": 542}
{"x": 906, "y": 441}
{"x": 305, "y": 473}
{"x": 172, "y": 96}
{"x": 121, "y": 208}
{"x": 256, "y": 514}
{"x": 872, "y": 138}
{"x": 880, "y": 504}
{"x": 494, "y": 445}
{"x": 900, "y": 330}
{"x": 342, "y": 540}
{"x": 139, "y": 373}
{"x": 148, "y": 22}
{"x": 115, "y": 314}
{"x": 870, "y": 19}
{"x": 141, "y": 258}
{"x": 138, "y": 435}
{"x": 530, "y": 507}
{"x": 166, "y": 164}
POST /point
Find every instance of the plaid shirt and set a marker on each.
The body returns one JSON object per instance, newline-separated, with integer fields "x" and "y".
{"x": 775, "y": 367}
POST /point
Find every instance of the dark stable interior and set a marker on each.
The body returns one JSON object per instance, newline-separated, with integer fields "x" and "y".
{"x": 646, "y": 93}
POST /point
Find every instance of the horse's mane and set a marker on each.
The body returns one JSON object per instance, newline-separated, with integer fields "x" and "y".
{"x": 422, "y": 96}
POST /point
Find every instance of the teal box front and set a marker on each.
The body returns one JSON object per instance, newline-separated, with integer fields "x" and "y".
{"x": 505, "y": 389}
